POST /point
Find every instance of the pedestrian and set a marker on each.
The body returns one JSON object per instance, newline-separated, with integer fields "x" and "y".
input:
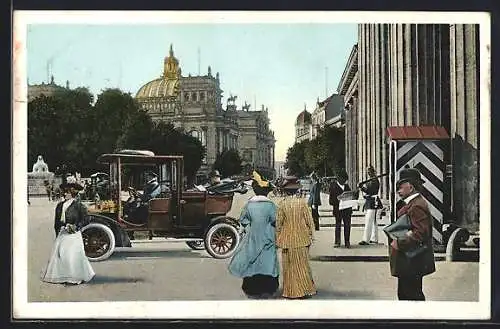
{"x": 256, "y": 258}
{"x": 294, "y": 236}
{"x": 337, "y": 187}
{"x": 411, "y": 269}
{"x": 370, "y": 189}
{"x": 48, "y": 189}
{"x": 314, "y": 200}
{"x": 68, "y": 263}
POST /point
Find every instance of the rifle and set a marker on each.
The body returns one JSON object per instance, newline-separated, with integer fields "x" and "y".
{"x": 367, "y": 180}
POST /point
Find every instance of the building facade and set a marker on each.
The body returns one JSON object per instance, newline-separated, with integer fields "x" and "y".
{"x": 194, "y": 104}
{"x": 256, "y": 142}
{"x": 303, "y": 126}
{"x": 334, "y": 111}
{"x": 45, "y": 89}
{"x": 329, "y": 112}
{"x": 415, "y": 75}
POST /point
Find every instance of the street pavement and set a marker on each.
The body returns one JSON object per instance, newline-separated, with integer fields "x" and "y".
{"x": 167, "y": 269}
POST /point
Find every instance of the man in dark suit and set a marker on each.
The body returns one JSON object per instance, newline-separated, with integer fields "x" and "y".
{"x": 337, "y": 187}
{"x": 314, "y": 200}
{"x": 411, "y": 270}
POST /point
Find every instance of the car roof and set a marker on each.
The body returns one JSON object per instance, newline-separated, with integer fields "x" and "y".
{"x": 137, "y": 159}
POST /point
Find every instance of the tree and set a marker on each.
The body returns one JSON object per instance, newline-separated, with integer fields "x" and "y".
{"x": 57, "y": 128}
{"x": 136, "y": 131}
{"x": 165, "y": 139}
{"x": 295, "y": 162}
{"x": 325, "y": 154}
{"x": 228, "y": 163}
{"x": 67, "y": 130}
{"x": 113, "y": 111}
{"x": 332, "y": 149}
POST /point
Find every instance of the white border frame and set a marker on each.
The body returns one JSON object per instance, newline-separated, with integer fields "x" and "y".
{"x": 315, "y": 309}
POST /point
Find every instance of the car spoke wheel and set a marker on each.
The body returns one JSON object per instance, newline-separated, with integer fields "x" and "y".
{"x": 98, "y": 241}
{"x": 221, "y": 240}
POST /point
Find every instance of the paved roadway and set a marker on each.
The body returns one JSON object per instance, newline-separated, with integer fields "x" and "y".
{"x": 169, "y": 270}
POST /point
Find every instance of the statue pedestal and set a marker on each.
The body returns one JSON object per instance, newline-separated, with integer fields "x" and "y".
{"x": 36, "y": 185}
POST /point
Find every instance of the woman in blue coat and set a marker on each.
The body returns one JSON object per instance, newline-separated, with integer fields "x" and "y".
{"x": 256, "y": 259}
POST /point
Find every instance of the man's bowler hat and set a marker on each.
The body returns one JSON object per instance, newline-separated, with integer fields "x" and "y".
{"x": 411, "y": 176}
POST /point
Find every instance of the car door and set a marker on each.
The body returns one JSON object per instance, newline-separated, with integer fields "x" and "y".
{"x": 192, "y": 209}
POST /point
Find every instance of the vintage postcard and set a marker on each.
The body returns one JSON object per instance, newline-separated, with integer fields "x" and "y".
{"x": 243, "y": 165}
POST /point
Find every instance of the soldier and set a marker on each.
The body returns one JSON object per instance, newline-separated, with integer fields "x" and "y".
{"x": 370, "y": 191}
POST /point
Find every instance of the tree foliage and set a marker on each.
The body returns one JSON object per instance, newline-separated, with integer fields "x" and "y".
{"x": 325, "y": 154}
{"x": 296, "y": 163}
{"x": 228, "y": 163}
{"x": 68, "y": 130}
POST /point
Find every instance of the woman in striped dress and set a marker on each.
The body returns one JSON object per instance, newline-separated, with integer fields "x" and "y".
{"x": 294, "y": 235}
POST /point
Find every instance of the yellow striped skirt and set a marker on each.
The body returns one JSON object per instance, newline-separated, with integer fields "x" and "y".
{"x": 297, "y": 275}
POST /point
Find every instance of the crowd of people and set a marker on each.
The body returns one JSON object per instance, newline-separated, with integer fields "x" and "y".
{"x": 282, "y": 224}
{"x": 287, "y": 223}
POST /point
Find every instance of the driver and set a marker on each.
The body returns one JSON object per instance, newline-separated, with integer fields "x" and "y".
{"x": 152, "y": 188}
{"x": 214, "y": 178}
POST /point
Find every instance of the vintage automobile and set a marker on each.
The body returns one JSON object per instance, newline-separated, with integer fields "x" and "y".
{"x": 197, "y": 215}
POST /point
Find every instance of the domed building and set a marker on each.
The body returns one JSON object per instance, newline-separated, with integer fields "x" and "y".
{"x": 303, "y": 126}
{"x": 45, "y": 89}
{"x": 193, "y": 103}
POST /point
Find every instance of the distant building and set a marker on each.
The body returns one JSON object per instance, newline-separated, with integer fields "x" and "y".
{"x": 328, "y": 112}
{"x": 303, "y": 126}
{"x": 279, "y": 167}
{"x": 334, "y": 111}
{"x": 256, "y": 141}
{"x": 45, "y": 89}
{"x": 193, "y": 103}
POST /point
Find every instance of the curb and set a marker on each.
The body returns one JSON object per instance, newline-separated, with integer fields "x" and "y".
{"x": 352, "y": 225}
{"x": 361, "y": 258}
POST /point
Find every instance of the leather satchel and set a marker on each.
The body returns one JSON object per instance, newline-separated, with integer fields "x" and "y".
{"x": 398, "y": 230}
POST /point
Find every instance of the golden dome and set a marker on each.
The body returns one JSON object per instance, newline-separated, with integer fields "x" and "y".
{"x": 168, "y": 84}
{"x": 159, "y": 88}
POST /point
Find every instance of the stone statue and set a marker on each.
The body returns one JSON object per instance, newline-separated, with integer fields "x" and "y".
{"x": 40, "y": 166}
{"x": 38, "y": 177}
{"x": 246, "y": 106}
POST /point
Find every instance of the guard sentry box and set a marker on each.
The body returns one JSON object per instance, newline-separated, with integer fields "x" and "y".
{"x": 427, "y": 149}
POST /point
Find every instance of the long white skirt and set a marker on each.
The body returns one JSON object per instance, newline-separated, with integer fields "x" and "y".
{"x": 68, "y": 262}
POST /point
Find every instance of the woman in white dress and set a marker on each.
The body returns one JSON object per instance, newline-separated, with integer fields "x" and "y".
{"x": 68, "y": 262}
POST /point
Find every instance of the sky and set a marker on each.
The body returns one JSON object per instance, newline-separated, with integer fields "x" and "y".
{"x": 284, "y": 66}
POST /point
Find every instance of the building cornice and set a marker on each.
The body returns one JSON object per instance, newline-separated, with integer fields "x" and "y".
{"x": 349, "y": 71}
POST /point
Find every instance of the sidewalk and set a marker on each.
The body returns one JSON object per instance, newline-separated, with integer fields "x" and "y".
{"x": 322, "y": 248}
{"x": 357, "y": 219}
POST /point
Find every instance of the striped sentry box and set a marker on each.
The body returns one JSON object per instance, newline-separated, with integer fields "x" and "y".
{"x": 426, "y": 151}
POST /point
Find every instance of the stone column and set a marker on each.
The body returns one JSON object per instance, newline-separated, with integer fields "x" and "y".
{"x": 355, "y": 126}
{"x": 464, "y": 76}
{"x": 348, "y": 141}
{"x": 384, "y": 108}
{"x": 360, "y": 162}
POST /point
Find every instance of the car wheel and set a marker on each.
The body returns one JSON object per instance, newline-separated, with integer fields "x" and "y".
{"x": 221, "y": 240}
{"x": 196, "y": 244}
{"x": 98, "y": 241}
